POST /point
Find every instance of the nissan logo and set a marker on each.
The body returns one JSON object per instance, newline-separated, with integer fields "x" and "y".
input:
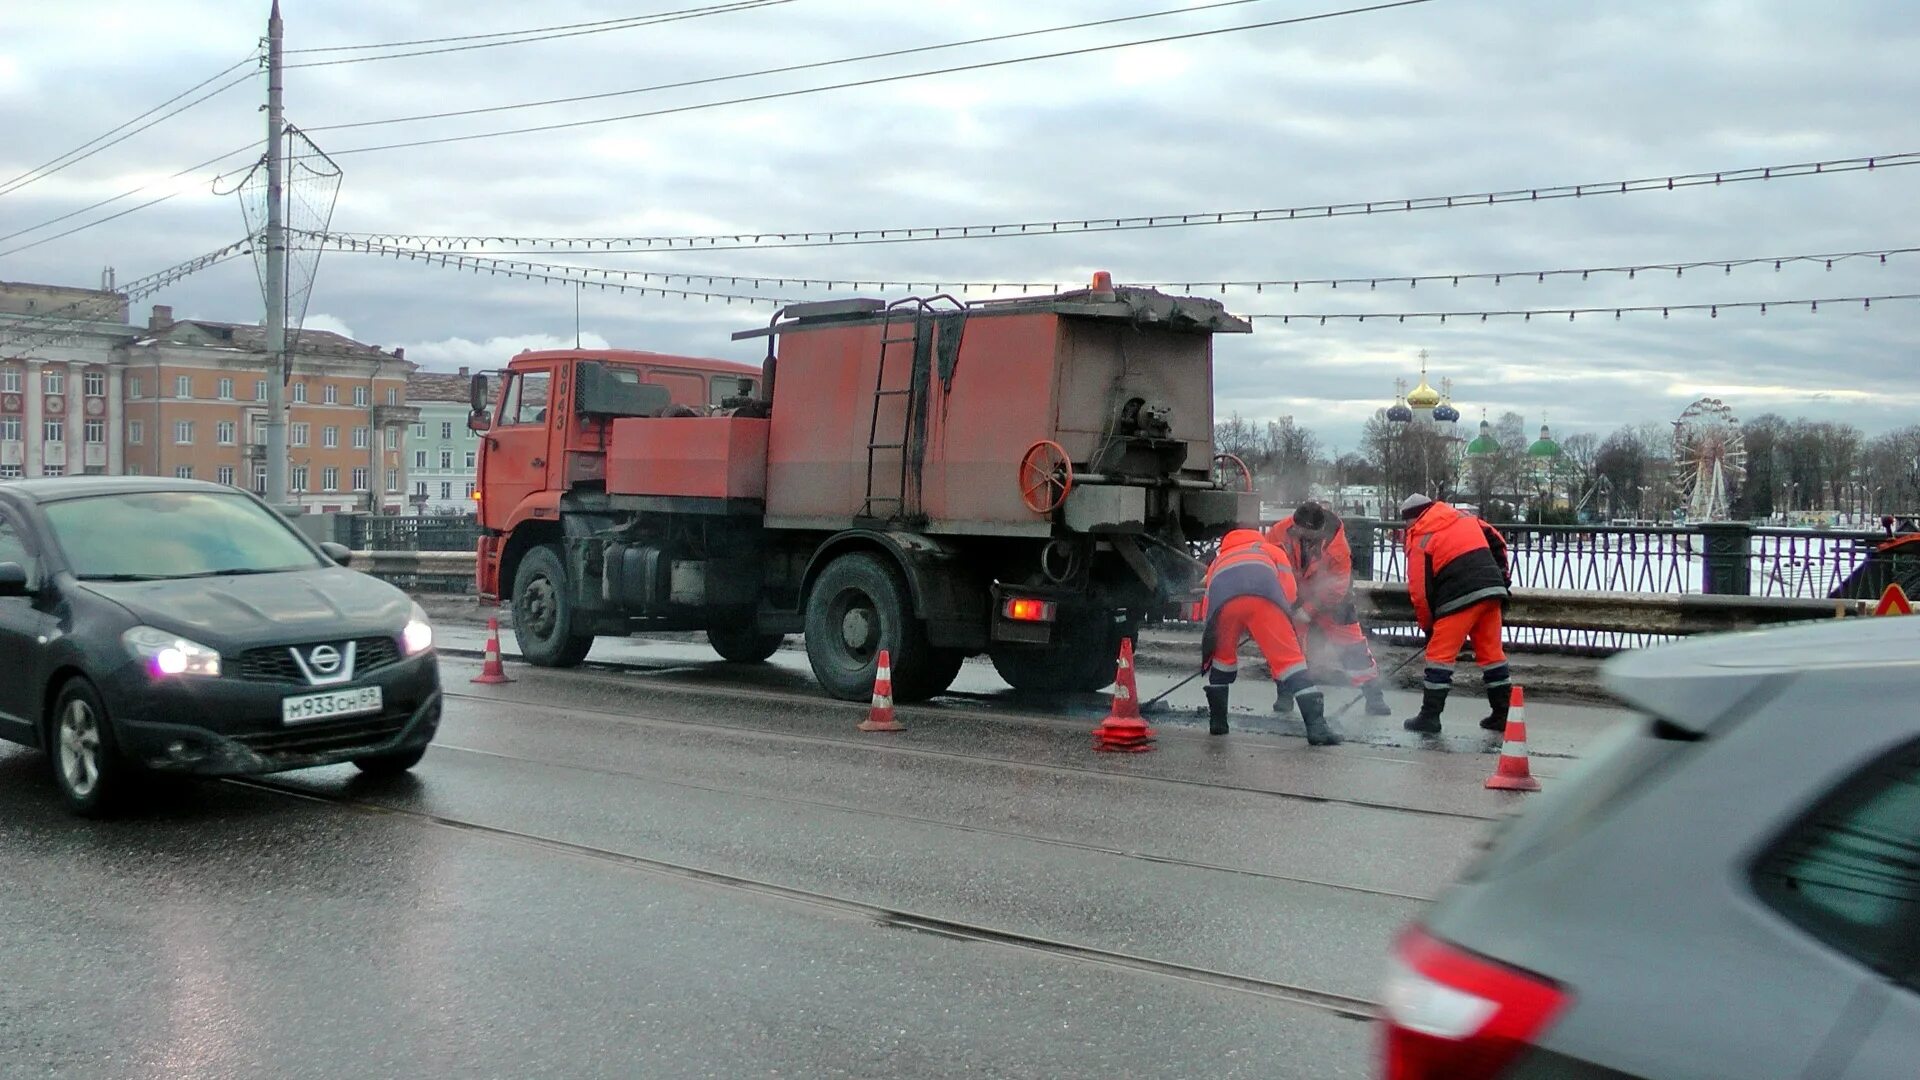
{"x": 324, "y": 659}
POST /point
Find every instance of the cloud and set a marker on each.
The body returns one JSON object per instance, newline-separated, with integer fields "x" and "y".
{"x": 449, "y": 354}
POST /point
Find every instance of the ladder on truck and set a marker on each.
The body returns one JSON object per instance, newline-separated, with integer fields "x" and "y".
{"x": 918, "y": 313}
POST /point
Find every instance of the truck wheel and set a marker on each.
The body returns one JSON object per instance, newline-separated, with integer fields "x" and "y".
{"x": 543, "y": 615}
{"x": 1081, "y": 660}
{"x": 742, "y": 644}
{"x": 930, "y": 679}
{"x": 858, "y": 607}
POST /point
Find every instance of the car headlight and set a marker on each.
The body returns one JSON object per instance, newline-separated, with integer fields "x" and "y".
{"x": 170, "y": 654}
{"x": 418, "y": 635}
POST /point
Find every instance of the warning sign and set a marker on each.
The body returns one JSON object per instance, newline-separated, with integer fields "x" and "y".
{"x": 1893, "y": 602}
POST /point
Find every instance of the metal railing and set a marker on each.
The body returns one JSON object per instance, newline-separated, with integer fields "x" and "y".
{"x": 370, "y": 532}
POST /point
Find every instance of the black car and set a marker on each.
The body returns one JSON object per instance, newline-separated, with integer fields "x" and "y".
{"x": 182, "y": 626}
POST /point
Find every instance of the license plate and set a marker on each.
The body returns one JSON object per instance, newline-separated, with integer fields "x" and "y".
{"x": 331, "y": 705}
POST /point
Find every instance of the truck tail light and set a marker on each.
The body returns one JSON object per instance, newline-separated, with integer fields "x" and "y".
{"x": 1451, "y": 1015}
{"x": 1022, "y": 609}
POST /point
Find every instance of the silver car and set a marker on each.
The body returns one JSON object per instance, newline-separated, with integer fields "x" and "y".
{"x": 1730, "y": 888}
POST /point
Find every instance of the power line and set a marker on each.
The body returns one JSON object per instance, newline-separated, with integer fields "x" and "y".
{"x": 15, "y": 183}
{"x": 640, "y": 20}
{"x": 474, "y": 37}
{"x": 36, "y": 334}
{"x": 791, "y": 68}
{"x": 1529, "y": 314}
{"x": 110, "y": 201}
{"x": 888, "y": 284}
{"x": 769, "y": 240}
{"x": 123, "y": 138}
{"x": 982, "y": 66}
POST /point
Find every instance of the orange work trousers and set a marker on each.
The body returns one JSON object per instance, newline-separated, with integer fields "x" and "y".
{"x": 1269, "y": 627}
{"x": 1479, "y": 624}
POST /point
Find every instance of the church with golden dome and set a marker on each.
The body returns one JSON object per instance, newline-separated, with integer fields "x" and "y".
{"x": 1423, "y": 405}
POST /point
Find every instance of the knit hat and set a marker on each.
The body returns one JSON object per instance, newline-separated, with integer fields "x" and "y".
{"x": 1312, "y": 518}
{"x": 1415, "y": 505}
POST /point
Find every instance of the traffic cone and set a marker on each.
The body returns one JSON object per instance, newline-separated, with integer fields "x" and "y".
{"x": 1513, "y": 772}
{"x": 491, "y": 671}
{"x": 880, "y": 717}
{"x": 1124, "y": 731}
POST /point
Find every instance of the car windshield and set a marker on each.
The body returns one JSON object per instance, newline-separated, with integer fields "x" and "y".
{"x": 173, "y": 534}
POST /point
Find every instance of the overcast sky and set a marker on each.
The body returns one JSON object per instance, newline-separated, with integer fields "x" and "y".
{"x": 1450, "y": 96}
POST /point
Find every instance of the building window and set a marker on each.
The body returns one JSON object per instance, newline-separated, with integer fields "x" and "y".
{"x": 183, "y": 432}
{"x": 54, "y": 470}
{"x": 226, "y": 389}
{"x": 360, "y": 397}
{"x": 9, "y": 381}
{"x": 360, "y": 479}
{"x": 330, "y": 478}
{"x": 9, "y": 429}
{"x": 470, "y": 459}
{"x": 362, "y": 439}
{"x": 470, "y": 489}
{"x": 329, "y": 394}
{"x": 53, "y": 431}
{"x": 298, "y": 434}
{"x": 259, "y": 479}
{"x": 419, "y": 459}
{"x": 446, "y": 489}
{"x": 226, "y": 433}
{"x": 299, "y": 393}
{"x": 10, "y": 472}
{"x": 420, "y": 489}
{"x": 393, "y": 481}
{"x": 446, "y": 459}
{"x": 224, "y": 474}
{"x": 53, "y": 381}
{"x": 184, "y": 472}
{"x": 446, "y": 429}
{"x": 299, "y": 479}
{"x": 393, "y": 438}
{"x": 419, "y": 431}
{"x": 183, "y": 386}
{"x": 330, "y": 438}
{"x": 134, "y": 468}
{"x": 393, "y": 395}
{"x": 260, "y": 390}
{"x": 96, "y": 383}
{"x": 96, "y": 431}
{"x": 136, "y": 432}
{"x": 133, "y": 386}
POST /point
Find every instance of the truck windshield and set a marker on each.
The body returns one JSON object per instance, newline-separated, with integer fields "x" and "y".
{"x": 173, "y": 534}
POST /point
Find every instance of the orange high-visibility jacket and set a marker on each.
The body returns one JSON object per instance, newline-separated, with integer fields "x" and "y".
{"x": 1453, "y": 562}
{"x": 1325, "y": 565}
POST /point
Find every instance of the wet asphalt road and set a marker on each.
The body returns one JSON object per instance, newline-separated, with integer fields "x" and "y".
{"x": 687, "y": 869}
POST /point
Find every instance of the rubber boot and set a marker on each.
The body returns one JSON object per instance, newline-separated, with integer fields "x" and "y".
{"x": 1501, "y": 698}
{"x": 1376, "y": 701}
{"x": 1313, "y": 712}
{"x": 1428, "y": 722}
{"x": 1216, "y": 710}
{"x": 1283, "y": 701}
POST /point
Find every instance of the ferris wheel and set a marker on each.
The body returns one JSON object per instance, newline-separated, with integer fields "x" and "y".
{"x": 1709, "y": 459}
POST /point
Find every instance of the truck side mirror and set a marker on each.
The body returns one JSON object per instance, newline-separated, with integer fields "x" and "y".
{"x": 478, "y": 422}
{"x": 13, "y": 579}
{"x": 477, "y": 395}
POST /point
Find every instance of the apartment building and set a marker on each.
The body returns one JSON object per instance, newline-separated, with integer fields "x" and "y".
{"x": 196, "y": 406}
{"x": 442, "y": 453}
{"x": 60, "y": 402}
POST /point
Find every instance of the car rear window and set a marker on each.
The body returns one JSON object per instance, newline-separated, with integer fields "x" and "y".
{"x": 173, "y": 534}
{"x": 1849, "y": 872}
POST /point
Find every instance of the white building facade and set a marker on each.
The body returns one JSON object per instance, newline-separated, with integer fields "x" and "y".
{"x": 442, "y": 454}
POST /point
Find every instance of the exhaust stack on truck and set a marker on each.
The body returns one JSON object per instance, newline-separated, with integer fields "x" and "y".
{"x": 1023, "y": 478}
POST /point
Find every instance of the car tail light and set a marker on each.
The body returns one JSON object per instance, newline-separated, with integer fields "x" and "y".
{"x": 1021, "y": 609}
{"x": 1451, "y": 1015}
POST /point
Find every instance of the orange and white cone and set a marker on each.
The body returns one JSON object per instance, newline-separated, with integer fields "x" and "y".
{"x": 880, "y": 716}
{"x": 1124, "y": 731}
{"x": 491, "y": 670}
{"x": 1513, "y": 773}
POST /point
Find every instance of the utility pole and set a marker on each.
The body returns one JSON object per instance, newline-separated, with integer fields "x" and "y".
{"x": 275, "y": 282}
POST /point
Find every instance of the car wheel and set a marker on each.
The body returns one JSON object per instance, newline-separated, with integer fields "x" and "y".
{"x": 743, "y": 643}
{"x": 390, "y": 764}
{"x": 92, "y": 776}
{"x": 543, "y": 614}
{"x": 858, "y": 607}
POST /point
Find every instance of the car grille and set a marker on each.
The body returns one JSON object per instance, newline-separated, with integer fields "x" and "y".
{"x": 277, "y": 665}
{"x": 327, "y": 738}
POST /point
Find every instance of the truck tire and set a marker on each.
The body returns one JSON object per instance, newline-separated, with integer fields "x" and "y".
{"x": 1081, "y": 660}
{"x": 742, "y": 643}
{"x": 859, "y": 606}
{"x": 543, "y": 615}
{"x": 933, "y": 678}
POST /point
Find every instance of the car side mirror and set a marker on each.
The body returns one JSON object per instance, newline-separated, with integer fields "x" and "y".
{"x": 13, "y": 579}
{"x": 339, "y": 553}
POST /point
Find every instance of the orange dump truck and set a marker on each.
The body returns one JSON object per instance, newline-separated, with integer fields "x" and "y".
{"x": 1023, "y": 478}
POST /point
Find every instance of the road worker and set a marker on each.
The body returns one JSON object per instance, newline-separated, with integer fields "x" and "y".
{"x": 1250, "y": 593}
{"x": 1315, "y": 541}
{"x": 1458, "y": 578}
